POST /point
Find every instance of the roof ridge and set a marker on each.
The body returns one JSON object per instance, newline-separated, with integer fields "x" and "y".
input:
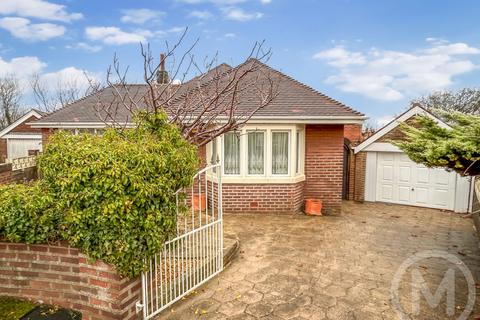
{"x": 308, "y": 87}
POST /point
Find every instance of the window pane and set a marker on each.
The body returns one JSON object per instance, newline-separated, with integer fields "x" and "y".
{"x": 231, "y": 153}
{"x": 256, "y": 149}
{"x": 280, "y": 152}
{"x": 297, "y": 155}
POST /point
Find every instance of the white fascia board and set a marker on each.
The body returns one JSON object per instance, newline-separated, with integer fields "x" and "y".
{"x": 19, "y": 121}
{"x": 22, "y": 136}
{"x": 286, "y": 120}
{"x": 382, "y": 147}
{"x": 395, "y": 122}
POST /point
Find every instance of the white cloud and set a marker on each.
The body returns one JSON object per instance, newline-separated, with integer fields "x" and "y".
{"x": 38, "y": 9}
{"x": 204, "y": 15}
{"x": 384, "y": 120}
{"x": 140, "y": 16}
{"x": 453, "y": 49}
{"x": 69, "y": 76}
{"x": 23, "y": 29}
{"x": 21, "y": 67}
{"x": 84, "y": 46}
{"x": 217, "y": 2}
{"x": 394, "y": 75}
{"x": 238, "y": 14}
{"x": 230, "y": 35}
{"x": 115, "y": 36}
{"x": 339, "y": 57}
{"x": 24, "y": 67}
{"x": 265, "y": 1}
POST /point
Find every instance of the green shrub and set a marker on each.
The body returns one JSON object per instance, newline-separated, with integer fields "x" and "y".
{"x": 116, "y": 191}
{"x": 28, "y": 214}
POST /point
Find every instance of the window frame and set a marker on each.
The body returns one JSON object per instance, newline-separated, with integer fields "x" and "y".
{"x": 267, "y": 177}
{"x": 222, "y": 157}
{"x": 289, "y": 156}
{"x": 265, "y": 151}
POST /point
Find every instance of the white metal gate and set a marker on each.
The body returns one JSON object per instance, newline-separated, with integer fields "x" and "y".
{"x": 195, "y": 254}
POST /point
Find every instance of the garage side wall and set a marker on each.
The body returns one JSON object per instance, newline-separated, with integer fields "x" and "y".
{"x": 360, "y": 169}
{"x": 3, "y": 150}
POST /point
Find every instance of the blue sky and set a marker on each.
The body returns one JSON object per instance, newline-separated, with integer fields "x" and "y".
{"x": 372, "y": 55}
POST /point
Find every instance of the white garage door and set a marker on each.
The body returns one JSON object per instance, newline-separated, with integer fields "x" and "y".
{"x": 18, "y": 148}
{"x": 400, "y": 180}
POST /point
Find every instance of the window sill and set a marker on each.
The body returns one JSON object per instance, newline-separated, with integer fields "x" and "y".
{"x": 259, "y": 180}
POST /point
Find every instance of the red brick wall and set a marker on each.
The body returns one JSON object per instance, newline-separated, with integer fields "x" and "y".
{"x": 5, "y": 173}
{"x": 360, "y": 167}
{"x": 23, "y": 127}
{"x": 60, "y": 275}
{"x": 46, "y": 133}
{"x": 262, "y": 198}
{"x": 324, "y": 165}
{"x": 18, "y": 176}
{"x": 353, "y": 132}
{"x": 3, "y": 150}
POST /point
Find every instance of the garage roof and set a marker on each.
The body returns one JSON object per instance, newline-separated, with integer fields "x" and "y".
{"x": 413, "y": 111}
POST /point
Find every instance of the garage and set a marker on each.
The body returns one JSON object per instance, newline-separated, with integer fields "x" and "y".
{"x": 390, "y": 176}
{"x": 19, "y": 139}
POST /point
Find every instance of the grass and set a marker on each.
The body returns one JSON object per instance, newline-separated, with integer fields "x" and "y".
{"x": 13, "y": 309}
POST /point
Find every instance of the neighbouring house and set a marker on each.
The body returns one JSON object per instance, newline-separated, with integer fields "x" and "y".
{"x": 20, "y": 139}
{"x": 384, "y": 173}
{"x": 293, "y": 149}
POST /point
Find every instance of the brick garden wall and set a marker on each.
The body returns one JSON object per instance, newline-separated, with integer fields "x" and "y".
{"x": 5, "y": 173}
{"x": 324, "y": 165}
{"x": 262, "y": 198}
{"x": 60, "y": 275}
{"x": 17, "y": 176}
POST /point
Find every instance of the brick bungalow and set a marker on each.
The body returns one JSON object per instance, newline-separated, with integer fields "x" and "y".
{"x": 289, "y": 151}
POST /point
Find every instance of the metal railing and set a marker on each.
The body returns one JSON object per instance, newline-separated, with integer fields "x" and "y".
{"x": 195, "y": 254}
{"x": 23, "y": 162}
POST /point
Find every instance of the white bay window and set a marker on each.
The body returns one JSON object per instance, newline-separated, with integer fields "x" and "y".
{"x": 262, "y": 154}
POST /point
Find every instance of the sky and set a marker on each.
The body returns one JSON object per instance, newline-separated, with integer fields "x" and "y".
{"x": 375, "y": 56}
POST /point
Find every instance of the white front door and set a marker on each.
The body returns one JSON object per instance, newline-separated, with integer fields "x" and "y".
{"x": 400, "y": 180}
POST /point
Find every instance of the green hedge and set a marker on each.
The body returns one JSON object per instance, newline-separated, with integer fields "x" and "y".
{"x": 114, "y": 193}
{"x": 28, "y": 214}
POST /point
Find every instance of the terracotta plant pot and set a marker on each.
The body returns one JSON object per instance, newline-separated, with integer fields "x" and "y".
{"x": 313, "y": 207}
{"x": 199, "y": 202}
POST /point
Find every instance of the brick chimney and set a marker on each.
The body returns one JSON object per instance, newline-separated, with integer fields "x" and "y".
{"x": 162, "y": 74}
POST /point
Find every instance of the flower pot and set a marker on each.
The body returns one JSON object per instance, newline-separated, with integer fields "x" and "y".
{"x": 313, "y": 207}
{"x": 199, "y": 202}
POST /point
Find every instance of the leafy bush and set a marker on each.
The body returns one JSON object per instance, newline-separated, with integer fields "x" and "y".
{"x": 456, "y": 148}
{"x": 28, "y": 214}
{"x": 112, "y": 196}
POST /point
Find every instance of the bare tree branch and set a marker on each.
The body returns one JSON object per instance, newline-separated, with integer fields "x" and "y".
{"x": 10, "y": 95}
{"x": 219, "y": 99}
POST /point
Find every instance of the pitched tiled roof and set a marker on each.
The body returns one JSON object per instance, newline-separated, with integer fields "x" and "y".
{"x": 294, "y": 100}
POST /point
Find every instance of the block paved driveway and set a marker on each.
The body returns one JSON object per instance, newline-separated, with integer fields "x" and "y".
{"x": 298, "y": 267}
